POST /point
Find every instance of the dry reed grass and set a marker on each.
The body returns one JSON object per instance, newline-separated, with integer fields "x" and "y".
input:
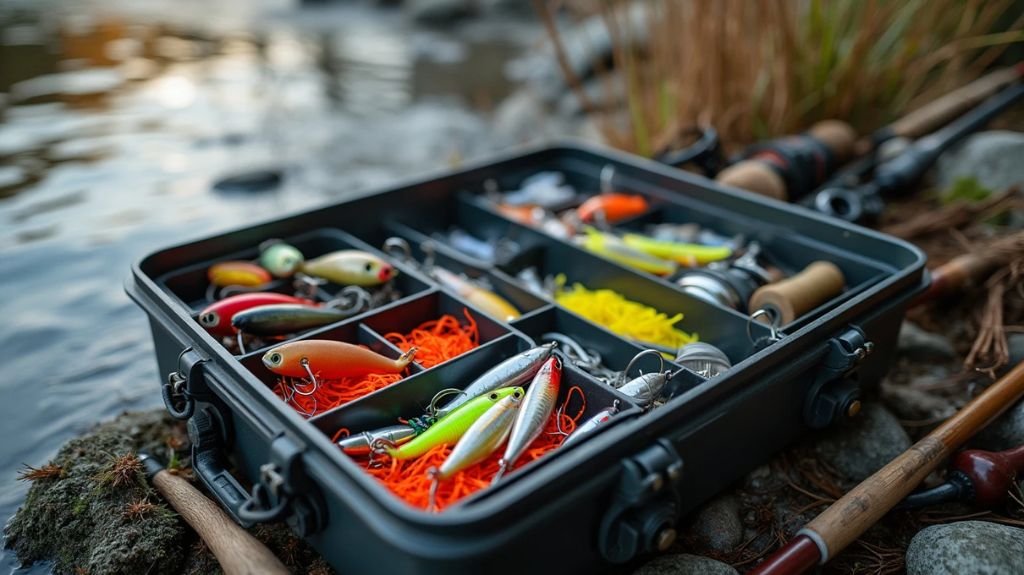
{"x": 759, "y": 68}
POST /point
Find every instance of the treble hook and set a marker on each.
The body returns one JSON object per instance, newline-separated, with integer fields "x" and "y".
{"x": 432, "y": 408}
{"x": 307, "y": 285}
{"x": 625, "y": 373}
{"x": 352, "y": 300}
{"x": 304, "y": 362}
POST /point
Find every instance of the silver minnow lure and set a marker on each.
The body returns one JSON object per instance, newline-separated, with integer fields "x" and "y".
{"x": 482, "y": 438}
{"x": 538, "y": 405}
{"x": 362, "y": 443}
{"x": 514, "y": 371}
{"x": 646, "y": 388}
{"x": 591, "y": 425}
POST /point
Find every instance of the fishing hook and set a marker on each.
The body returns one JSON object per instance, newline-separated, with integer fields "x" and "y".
{"x": 625, "y": 373}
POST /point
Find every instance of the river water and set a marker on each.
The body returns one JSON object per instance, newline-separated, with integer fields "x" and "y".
{"x": 116, "y": 118}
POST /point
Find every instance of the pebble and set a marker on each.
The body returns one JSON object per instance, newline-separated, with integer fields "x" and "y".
{"x": 685, "y": 564}
{"x": 1005, "y": 432}
{"x": 992, "y": 158}
{"x": 439, "y": 12}
{"x": 976, "y": 547}
{"x": 718, "y": 525}
{"x": 864, "y": 445}
{"x": 909, "y": 402}
{"x": 917, "y": 343}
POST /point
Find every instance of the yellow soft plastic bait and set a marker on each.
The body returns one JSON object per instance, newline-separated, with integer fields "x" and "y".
{"x": 629, "y": 319}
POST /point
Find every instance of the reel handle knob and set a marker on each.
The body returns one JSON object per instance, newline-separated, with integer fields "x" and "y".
{"x": 792, "y": 297}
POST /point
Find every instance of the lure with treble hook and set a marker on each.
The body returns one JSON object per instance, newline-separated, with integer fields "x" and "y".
{"x": 515, "y": 370}
{"x": 280, "y": 259}
{"x": 536, "y": 408}
{"x": 482, "y": 438}
{"x": 216, "y": 317}
{"x": 644, "y": 390}
{"x": 362, "y": 443}
{"x": 285, "y": 318}
{"x": 331, "y": 359}
{"x": 351, "y": 267}
{"x": 591, "y": 425}
{"x": 237, "y": 273}
{"x": 450, "y": 428}
{"x": 486, "y": 300}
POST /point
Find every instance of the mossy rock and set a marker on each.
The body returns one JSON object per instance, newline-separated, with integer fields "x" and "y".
{"x": 80, "y": 517}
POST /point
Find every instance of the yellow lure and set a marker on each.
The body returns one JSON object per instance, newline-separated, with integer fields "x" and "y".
{"x": 611, "y": 247}
{"x": 685, "y": 254}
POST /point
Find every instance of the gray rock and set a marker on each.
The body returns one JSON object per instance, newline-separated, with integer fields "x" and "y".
{"x": 909, "y": 402}
{"x": 992, "y": 158}
{"x": 917, "y": 343}
{"x": 864, "y": 445}
{"x": 718, "y": 525}
{"x": 438, "y": 12}
{"x": 1015, "y": 343}
{"x": 1005, "y": 432}
{"x": 976, "y": 547}
{"x": 684, "y": 564}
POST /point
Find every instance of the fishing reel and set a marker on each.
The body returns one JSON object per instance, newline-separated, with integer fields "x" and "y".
{"x": 729, "y": 283}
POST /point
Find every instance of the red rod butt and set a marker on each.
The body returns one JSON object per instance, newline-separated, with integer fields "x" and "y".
{"x": 798, "y": 556}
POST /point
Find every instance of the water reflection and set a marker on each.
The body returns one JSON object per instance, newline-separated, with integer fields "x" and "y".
{"x": 115, "y": 121}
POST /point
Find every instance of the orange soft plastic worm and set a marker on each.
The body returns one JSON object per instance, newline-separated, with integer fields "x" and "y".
{"x": 409, "y": 480}
{"x": 438, "y": 341}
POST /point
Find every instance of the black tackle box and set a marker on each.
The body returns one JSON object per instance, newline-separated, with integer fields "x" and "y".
{"x": 601, "y": 503}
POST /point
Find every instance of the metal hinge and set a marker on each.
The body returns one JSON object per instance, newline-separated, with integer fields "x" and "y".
{"x": 642, "y": 514}
{"x": 835, "y": 393}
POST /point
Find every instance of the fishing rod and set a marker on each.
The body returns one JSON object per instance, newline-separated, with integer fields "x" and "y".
{"x": 238, "y": 552}
{"x": 853, "y": 514}
{"x": 901, "y": 173}
{"x": 793, "y": 167}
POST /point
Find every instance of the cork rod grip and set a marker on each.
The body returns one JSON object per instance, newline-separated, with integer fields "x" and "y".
{"x": 795, "y": 296}
{"x": 845, "y": 520}
{"x": 238, "y": 552}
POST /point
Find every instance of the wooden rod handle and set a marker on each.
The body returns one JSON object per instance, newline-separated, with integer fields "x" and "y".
{"x": 845, "y": 520}
{"x": 942, "y": 110}
{"x": 238, "y": 552}
{"x": 795, "y": 296}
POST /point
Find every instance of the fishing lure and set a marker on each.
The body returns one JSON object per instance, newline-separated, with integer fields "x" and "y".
{"x": 537, "y": 218}
{"x": 280, "y": 259}
{"x": 331, "y": 359}
{"x": 644, "y": 390}
{"x": 216, "y": 317}
{"x": 351, "y": 267}
{"x": 237, "y": 273}
{"x": 488, "y": 301}
{"x": 544, "y": 189}
{"x": 534, "y": 412}
{"x": 284, "y": 318}
{"x": 611, "y": 247}
{"x": 362, "y": 443}
{"x": 515, "y": 370}
{"x": 450, "y": 428}
{"x": 686, "y": 254}
{"x": 591, "y": 425}
{"x": 482, "y": 438}
{"x": 614, "y": 207}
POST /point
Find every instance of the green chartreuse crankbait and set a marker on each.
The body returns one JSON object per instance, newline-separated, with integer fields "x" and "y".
{"x": 350, "y": 267}
{"x": 611, "y": 247}
{"x": 450, "y": 428}
{"x": 280, "y": 259}
{"x": 690, "y": 255}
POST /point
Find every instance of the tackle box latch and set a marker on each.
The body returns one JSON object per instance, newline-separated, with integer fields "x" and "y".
{"x": 835, "y": 393}
{"x": 180, "y": 388}
{"x": 643, "y": 511}
{"x": 284, "y": 491}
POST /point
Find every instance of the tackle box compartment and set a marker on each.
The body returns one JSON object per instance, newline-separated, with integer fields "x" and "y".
{"x": 599, "y": 505}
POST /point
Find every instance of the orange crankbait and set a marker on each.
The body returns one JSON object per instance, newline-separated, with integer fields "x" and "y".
{"x": 615, "y": 207}
{"x": 237, "y": 273}
{"x": 331, "y": 359}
